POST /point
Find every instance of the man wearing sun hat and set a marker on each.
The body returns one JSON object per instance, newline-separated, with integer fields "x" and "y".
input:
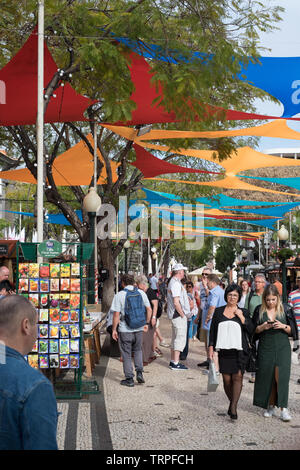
{"x": 178, "y": 307}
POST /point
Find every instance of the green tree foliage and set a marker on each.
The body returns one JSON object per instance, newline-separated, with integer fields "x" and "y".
{"x": 79, "y": 34}
{"x": 225, "y": 254}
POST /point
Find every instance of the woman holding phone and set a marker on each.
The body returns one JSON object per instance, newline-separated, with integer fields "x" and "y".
{"x": 274, "y": 324}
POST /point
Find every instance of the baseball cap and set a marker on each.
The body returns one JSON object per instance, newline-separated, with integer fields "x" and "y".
{"x": 178, "y": 267}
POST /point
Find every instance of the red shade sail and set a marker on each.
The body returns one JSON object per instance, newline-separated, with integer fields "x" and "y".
{"x": 18, "y": 79}
{"x": 151, "y": 166}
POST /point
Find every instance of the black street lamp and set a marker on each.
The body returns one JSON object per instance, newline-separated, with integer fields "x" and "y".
{"x": 126, "y": 246}
{"x": 244, "y": 255}
{"x": 91, "y": 203}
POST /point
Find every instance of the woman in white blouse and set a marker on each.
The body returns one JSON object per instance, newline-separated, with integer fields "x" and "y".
{"x": 228, "y": 335}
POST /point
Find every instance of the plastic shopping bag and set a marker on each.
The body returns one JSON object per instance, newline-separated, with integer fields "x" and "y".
{"x": 213, "y": 379}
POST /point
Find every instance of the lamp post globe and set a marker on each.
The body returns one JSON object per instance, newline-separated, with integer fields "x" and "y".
{"x": 91, "y": 203}
{"x": 126, "y": 246}
{"x": 283, "y": 235}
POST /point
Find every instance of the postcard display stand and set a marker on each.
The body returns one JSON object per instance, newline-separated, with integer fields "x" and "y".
{"x": 58, "y": 290}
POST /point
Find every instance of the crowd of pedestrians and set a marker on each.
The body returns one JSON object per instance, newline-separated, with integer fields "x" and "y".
{"x": 241, "y": 324}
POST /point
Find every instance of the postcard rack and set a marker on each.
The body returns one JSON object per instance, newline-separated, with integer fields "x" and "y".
{"x": 58, "y": 288}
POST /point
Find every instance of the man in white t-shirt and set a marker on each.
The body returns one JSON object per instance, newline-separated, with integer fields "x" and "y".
{"x": 178, "y": 307}
{"x": 130, "y": 340}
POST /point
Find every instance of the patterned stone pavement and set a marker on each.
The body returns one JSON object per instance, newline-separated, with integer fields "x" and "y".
{"x": 172, "y": 411}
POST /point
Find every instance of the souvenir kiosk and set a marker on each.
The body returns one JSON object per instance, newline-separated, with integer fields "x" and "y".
{"x": 58, "y": 288}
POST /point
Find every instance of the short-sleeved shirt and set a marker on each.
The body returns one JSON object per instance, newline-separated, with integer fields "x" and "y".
{"x": 152, "y": 295}
{"x": 176, "y": 289}
{"x": 215, "y": 299}
{"x": 153, "y": 282}
{"x": 294, "y": 302}
{"x": 203, "y": 296}
{"x": 118, "y": 305}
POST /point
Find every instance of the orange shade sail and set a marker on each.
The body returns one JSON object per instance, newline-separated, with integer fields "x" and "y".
{"x": 72, "y": 168}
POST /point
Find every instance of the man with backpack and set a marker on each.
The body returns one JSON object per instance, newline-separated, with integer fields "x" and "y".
{"x": 132, "y": 312}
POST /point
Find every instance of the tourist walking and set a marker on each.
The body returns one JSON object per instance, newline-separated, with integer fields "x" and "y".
{"x": 28, "y": 416}
{"x": 253, "y": 299}
{"x": 215, "y": 299}
{"x": 188, "y": 285}
{"x": 245, "y": 290}
{"x": 229, "y": 332}
{"x": 147, "y": 343}
{"x": 130, "y": 338}
{"x": 178, "y": 307}
{"x": 274, "y": 324}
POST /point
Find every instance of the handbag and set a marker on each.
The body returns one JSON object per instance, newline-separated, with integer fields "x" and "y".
{"x": 213, "y": 379}
{"x": 251, "y": 364}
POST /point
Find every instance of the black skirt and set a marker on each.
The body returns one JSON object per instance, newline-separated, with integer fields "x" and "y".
{"x": 229, "y": 361}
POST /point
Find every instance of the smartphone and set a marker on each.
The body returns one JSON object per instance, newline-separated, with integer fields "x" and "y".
{"x": 271, "y": 322}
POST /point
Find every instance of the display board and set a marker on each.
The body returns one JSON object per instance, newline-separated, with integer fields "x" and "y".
{"x": 54, "y": 289}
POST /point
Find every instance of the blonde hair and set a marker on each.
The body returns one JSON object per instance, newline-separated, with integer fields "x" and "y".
{"x": 271, "y": 290}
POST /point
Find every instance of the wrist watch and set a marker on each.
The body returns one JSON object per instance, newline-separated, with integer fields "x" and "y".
{"x": 147, "y": 323}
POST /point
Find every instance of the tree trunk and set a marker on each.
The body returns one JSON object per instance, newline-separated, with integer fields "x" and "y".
{"x": 107, "y": 261}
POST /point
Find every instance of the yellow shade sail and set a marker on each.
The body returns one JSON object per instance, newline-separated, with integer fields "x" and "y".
{"x": 276, "y": 129}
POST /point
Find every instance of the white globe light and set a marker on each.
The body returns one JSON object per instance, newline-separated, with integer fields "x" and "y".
{"x": 92, "y": 201}
{"x": 283, "y": 233}
{"x": 127, "y": 244}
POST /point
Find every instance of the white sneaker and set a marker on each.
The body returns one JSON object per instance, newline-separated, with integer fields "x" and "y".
{"x": 285, "y": 415}
{"x": 269, "y": 412}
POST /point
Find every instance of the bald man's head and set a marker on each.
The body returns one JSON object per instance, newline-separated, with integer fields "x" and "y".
{"x": 4, "y": 273}
{"x": 13, "y": 310}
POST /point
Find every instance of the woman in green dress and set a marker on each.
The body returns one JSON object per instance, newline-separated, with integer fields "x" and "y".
{"x": 274, "y": 325}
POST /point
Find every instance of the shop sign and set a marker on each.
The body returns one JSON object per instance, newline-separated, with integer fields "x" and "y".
{"x": 50, "y": 248}
{"x": 3, "y": 250}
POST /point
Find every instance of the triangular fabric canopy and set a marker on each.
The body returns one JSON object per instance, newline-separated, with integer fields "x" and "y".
{"x": 218, "y": 201}
{"x": 229, "y": 182}
{"x": 278, "y": 211}
{"x": 19, "y": 83}
{"x": 291, "y": 182}
{"x": 259, "y": 73}
{"x": 214, "y": 233}
{"x": 151, "y": 166}
{"x": 276, "y": 129}
{"x": 145, "y": 93}
{"x": 72, "y": 168}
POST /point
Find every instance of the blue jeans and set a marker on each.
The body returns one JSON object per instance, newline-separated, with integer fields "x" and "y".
{"x": 192, "y": 327}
